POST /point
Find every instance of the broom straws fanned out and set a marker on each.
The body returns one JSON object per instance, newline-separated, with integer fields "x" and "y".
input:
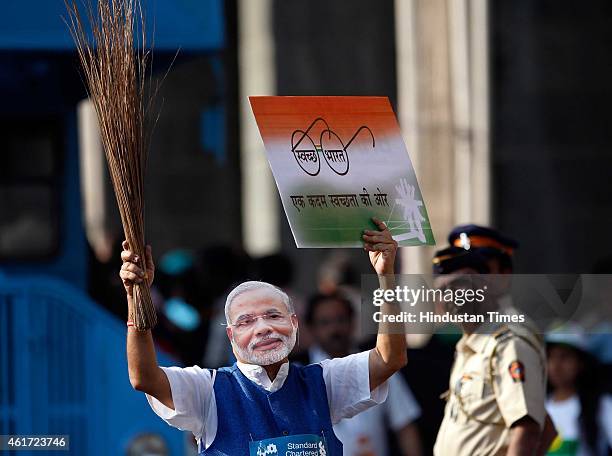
{"x": 114, "y": 62}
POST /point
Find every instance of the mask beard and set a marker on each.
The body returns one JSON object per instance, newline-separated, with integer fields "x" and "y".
{"x": 265, "y": 358}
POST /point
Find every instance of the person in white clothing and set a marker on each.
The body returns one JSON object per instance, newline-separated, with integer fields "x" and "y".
{"x": 581, "y": 413}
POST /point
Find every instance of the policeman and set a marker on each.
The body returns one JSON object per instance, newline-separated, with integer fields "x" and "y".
{"x": 495, "y": 402}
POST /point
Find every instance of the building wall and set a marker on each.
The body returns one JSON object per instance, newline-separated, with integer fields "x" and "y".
{"x": 193, "y": 175}
{"x": 551, "y": 131}
{"x": 344, "y": 47}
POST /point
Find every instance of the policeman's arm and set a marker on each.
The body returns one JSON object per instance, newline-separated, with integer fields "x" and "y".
{"x": 389, "y": 355}
{"x": 145, "y": 374}
{"x": 524, "y": 438}
{"x": 548, "y": 435}
{"x": 520, "y": 391}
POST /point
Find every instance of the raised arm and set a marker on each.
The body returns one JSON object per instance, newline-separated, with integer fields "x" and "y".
{"x": 389, "y": 355}
{"x": 145, "y": 374}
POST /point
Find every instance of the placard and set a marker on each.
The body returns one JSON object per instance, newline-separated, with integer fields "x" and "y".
{"x": 338, "y": 162}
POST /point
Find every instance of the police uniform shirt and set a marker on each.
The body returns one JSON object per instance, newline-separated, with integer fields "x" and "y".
{"x": 497, "y": 379}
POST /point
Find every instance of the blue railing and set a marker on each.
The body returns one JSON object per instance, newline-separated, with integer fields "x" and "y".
{"x": 63, "y": 370}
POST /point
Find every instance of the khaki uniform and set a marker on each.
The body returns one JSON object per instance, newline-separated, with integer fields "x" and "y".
{"x": 497, "y": 379}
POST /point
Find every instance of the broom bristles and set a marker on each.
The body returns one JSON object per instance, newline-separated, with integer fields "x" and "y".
{"x": 114, "y": 63}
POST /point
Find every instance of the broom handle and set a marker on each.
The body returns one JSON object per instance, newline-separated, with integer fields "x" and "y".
{"x": 143, "y": 314}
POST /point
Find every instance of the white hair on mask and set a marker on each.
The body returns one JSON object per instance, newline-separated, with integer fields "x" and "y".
{"x": 256, "y": 285}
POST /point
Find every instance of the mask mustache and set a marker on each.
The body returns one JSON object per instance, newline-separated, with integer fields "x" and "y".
{"x": 252, "y": 356}
{"x": 280, "y": 337}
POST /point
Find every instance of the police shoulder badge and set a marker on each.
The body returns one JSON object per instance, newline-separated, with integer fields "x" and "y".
{"x": 517, "y": 371}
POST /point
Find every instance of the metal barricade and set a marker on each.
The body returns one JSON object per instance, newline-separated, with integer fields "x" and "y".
{"x": 63, "y": 370}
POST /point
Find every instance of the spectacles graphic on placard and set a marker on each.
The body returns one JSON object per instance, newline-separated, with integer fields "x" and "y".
{"x": 330, "y": 146}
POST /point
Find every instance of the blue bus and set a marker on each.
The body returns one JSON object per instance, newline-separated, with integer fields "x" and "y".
{"x": 62, "y": 355}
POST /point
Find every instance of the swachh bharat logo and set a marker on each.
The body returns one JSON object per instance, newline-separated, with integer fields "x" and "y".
{"x": 334, "y": 150}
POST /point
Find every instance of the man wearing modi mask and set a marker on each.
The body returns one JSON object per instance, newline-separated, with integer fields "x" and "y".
{"x": 263, "y": 405}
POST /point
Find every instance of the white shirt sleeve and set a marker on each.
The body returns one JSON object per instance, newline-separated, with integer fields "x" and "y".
{"x": 401, "y": 407}
{"x": 192, "y": 393}
{"x": 347, "y": 381}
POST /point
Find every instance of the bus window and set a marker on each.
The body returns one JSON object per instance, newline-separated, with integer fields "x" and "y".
{"x": 29, "y": 189}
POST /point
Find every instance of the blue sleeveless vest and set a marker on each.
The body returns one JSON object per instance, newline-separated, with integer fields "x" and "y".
{"x": 246, "y": 412}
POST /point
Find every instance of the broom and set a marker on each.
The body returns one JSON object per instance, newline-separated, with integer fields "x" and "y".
{"x": 114, "y": 63}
